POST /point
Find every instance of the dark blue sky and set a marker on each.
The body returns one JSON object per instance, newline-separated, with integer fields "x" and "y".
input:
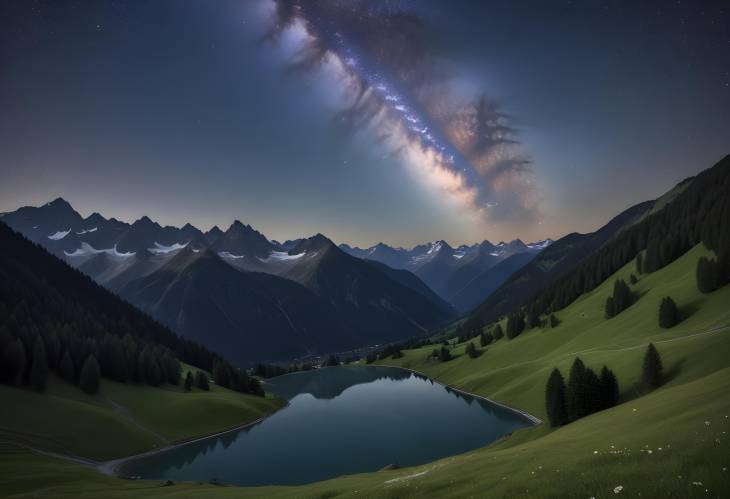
{"x": 181, "y": 111}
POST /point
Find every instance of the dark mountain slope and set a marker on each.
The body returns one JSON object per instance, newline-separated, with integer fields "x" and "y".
{"x": 410, "y": 280}
{"x": 374, "y": 306}
{"x": 554, "y": 261}
{"x": 485, "y": 283}
{"x": 41, "y": 294}
{"x": 250, "y": 316}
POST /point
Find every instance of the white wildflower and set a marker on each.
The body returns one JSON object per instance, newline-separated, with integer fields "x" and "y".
{"x": 618, "y": 489}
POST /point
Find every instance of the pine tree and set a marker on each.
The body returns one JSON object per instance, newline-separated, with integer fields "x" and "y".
{"x": 575, "y": 396}
{"x": 331, "y": 361}
{"x": 639, "y": 264}
{"x": 444, "y": 354}
{"x": 533, "y": 317}
{"x": 221, "y": 375}
{"x": 188, "y": 381}
{"x": 668, "y": 313}
{"x": 592, "y": 386}
{"x": 554, "y": 322}
{"x": 609, "y": 388}
{"x": 66, "y": 368}
{"x": 555, "y": 399}
{"x": 609, "y": 307}
{"x": 498, "y": 333}
{"x": 14, "y": 362}
{"x": 90, "y": 376}
{"x": 485, "y": 339}
{"x": 651, "y": 374}
{"x": 471, "y": 350}
{"x": 707, "y": 275}
{"x": 38, "y": 377}
{"x": 201, "y": 381}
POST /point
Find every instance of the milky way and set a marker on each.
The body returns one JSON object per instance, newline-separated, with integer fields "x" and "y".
{"x": 382, "y": 61}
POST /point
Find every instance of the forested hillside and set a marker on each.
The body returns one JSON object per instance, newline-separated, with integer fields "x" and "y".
{"x": 699, "y": 213}
{"x": 54, "y": 318}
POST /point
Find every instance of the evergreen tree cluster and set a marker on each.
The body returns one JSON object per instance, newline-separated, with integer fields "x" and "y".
{"x": 54, "y": 318}
{"x": 584, "y": 394}
{"x": 699, "y": 213}
{"x": 515, "y": 324}
{"x": 621, "y": 299}
{"x": 443, "y": 354}
{"x": 229, "y": 377}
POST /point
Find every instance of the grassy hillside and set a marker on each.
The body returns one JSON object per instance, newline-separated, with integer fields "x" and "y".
{"x": 121, "y": 420}
{"x": 670, "y": 443}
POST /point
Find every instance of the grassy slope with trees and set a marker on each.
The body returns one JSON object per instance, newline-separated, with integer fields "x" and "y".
{"x": 684, "y": 423}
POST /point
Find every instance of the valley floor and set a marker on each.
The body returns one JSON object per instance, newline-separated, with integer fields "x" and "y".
{"x": 672, "y": 442}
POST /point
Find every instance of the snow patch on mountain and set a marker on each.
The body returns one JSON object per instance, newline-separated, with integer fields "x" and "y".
{"x": 281, "y": 256}
{"x": 226, "y": 254}
{"x": 86, "y": 249}
{"x": 162, "y": 249}
{"x": 57, "y": 236}
{"x": 86, "y": 231}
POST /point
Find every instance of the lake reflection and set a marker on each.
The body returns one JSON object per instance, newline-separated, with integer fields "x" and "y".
{"x": 339, "y": 421}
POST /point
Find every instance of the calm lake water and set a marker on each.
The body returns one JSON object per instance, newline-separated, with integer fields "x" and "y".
{"x": 339, "y": 421}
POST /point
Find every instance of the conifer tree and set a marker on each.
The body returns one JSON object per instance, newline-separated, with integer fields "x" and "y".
{"x": 14, "y": 362}
{"x": 66, "y": 368}
{"x": 668, "y": 313}
{"x": 651, "y": 374}
{"x": 498, "y": 333}
{"x": 554, "y": 322}
{"x": 707, "y": 275}
{"x": 485, "y": 339}
{"x": 575, "y": 396}
{"x": 555, "y": 399}
{"x": 533, "y": 317}
{"x": 444, "y": 354}
{"x": 609, "y": 388}
{"x": 90, "y": 376}
{"x": 201, "y": 381}
{"x": 639, "y": 264}
{"x": 188, "y": 381}
{"x": 471, "y": 350}
{"x": 38, "y": 377}
{"x": 592, "y": 390}
{"x": 609, "y": 307}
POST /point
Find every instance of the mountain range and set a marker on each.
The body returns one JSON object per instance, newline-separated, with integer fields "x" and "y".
{"x": 236, "y": 291}
{"x": 463, "y": 276}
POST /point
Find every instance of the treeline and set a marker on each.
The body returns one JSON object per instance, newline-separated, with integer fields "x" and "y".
{"x": 700, "y": 213}
{"x": 48, "y": 307}
{"x": 587, "y": 393}
{"x": 273, "y": 370}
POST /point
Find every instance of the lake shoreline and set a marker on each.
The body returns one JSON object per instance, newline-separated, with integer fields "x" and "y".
{"x": 533, "y": 419}
{"x": 115, "y": 467}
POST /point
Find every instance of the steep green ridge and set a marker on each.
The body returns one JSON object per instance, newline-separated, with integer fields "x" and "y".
{"x": 684, "y": 423}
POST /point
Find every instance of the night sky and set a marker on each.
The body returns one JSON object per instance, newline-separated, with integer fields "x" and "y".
{"x": 391, "y": 121}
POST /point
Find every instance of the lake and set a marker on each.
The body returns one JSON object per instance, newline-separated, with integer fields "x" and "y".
{"x": 339, "y": 421}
